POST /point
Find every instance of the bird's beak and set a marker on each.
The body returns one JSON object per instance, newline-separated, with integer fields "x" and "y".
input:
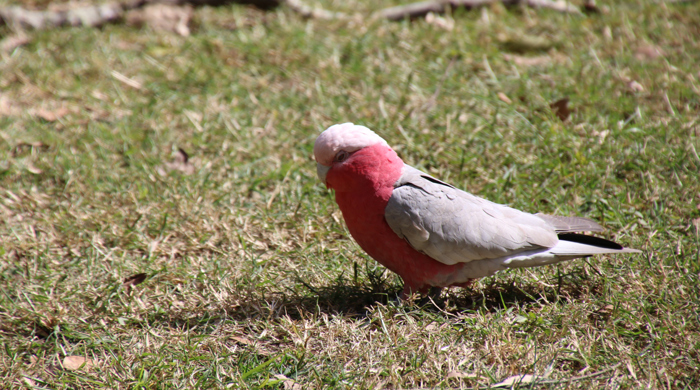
{"x": 322, "y": 171}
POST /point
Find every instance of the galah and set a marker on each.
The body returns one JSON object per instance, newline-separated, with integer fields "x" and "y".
{"x": 430, "y": 233}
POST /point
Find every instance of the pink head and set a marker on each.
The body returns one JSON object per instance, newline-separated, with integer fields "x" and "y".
{"x": 337, "y": 143}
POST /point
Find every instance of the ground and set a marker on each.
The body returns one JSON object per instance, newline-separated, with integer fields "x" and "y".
{"x": 233, "y": 268}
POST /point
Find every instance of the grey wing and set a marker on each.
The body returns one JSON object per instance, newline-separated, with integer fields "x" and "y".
{"x": 571, "y": 224}
{"x": 453, "y": 226}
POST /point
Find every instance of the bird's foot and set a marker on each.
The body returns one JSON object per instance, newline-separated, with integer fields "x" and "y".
{"x": 425, "y": 296}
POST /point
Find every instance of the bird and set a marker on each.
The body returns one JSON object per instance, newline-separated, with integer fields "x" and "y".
{"x": 430, "y": 233}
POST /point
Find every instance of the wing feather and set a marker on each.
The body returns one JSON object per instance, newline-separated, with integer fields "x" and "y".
{"x": 453, "y": 226}
{"x": 571, "y": 224}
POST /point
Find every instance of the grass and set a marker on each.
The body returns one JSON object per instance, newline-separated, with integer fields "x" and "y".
{"x": 251, "y": 279}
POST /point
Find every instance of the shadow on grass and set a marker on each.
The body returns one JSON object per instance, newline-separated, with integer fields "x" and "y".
{"x": 351, "y": 298}
{"x": 355, "y": 299}
{"x": 500, "y": 295}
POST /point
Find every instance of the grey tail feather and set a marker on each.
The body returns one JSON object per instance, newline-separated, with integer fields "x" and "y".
{"x": 595, "y": 241}
{"x": 571, "y": 224}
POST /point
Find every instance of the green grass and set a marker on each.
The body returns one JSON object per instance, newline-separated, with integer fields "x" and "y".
{"x": 251, "y": 275}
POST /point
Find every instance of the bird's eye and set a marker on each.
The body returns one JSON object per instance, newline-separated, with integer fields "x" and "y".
{"x": 342, "y": 156}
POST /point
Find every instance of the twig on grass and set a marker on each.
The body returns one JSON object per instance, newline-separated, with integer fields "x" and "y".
{"x": 98, "y": 15}
{"x": 415, "y": 10}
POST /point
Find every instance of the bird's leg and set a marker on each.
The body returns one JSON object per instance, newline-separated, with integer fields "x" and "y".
{"x": 426, "y": 295}
{"x": 407, "y": 293}
{"x": 404, "y": 296}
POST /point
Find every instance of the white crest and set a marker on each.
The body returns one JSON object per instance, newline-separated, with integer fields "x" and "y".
{"x": 347, "y": 137}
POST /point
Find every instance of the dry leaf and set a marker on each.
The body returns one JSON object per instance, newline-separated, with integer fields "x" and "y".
{"x": 635, "y": 86}
{"x": 289, "y": 383}
{"x": 31, "y": 168}
{"x": 606, "y": 309}
{"x": 460, "y": 374}
{"x": 603, "y": 313}
{"x": 134, "y": 280}
{"x": 517, "y": 379}
{"x": 163, "y": 17}
{"x": 73, "y": 363}
{"x": 560, "y": 108}
{"x": 439, "y": 21}
{"x": 504, "y": 98}
{"x": 242, "y": 340}
{"x": 52, "y": 115}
